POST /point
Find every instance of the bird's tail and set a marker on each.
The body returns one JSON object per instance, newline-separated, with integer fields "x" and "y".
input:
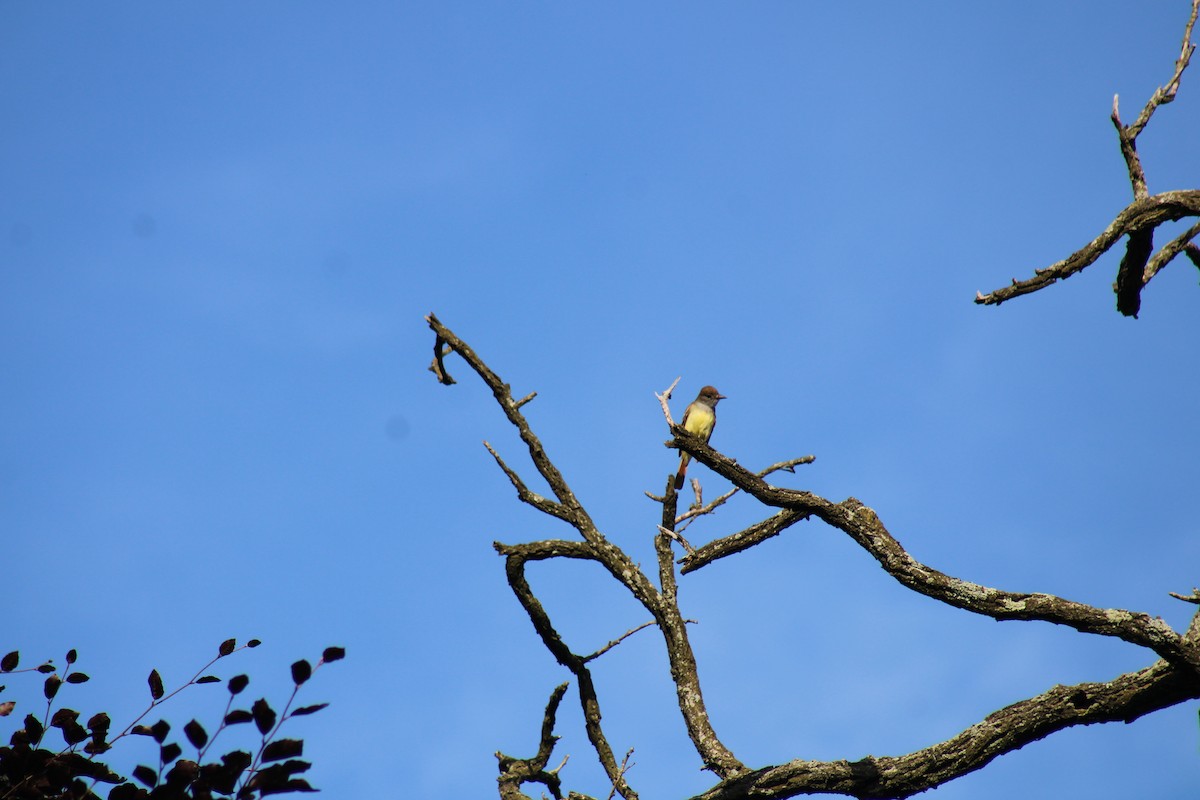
{"x": 683, "y": 462}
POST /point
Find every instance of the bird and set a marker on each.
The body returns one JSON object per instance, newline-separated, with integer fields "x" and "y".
{"x": 699, "y": 419}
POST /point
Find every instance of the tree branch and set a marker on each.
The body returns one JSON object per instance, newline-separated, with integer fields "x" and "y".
{"x": 517, "y": 771}
{"x": 1143, "y": 214}
{"x": 515, "y": 570}
{"x": 865, "y": 528}
{"x": 1137, "y": 221}
{"x": 1123, "y": 699}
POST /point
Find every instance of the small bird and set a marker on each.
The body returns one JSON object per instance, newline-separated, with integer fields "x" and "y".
{"x": 699, "y": 419}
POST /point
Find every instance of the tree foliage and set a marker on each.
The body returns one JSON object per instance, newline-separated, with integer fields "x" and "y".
{"x": 35, "y": 767}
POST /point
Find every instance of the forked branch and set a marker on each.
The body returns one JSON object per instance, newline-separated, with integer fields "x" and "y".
{"x": 1138, "y": 221}
{"x": 1171, "y": 680}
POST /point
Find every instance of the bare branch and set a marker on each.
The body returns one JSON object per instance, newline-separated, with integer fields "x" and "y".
{"x": 665, "y": 397}
{"x": 617, "y": 641}
{"x": 625, "y": 767}
{"x": 511, "y": 409}
{"x": 516, "y": 771}
{"x": 1137, "y": 221}
{"x": 699, "y": 510}
{"x": 515, "y": 570}
{"x": 742, "y": 540}
{"x": 1193, "y": 253}
{"x": 865, "y": 528}
{"x": 1145, "y": 213}
{"x": 1173, "y": 248}
{"x": 1163, "y": 94}
{"x": 677, "y": 536}
{"x": 525, "y": 495}
{"x": 1123, "y": 699}
{"x": 438, "y": 367}
{"x": 1194, "y": 597}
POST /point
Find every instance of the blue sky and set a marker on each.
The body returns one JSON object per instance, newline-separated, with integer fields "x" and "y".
{"x": 224, "y": 222}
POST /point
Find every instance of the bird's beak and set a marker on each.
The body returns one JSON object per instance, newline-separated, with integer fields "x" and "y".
{"x": 722, "y": 397}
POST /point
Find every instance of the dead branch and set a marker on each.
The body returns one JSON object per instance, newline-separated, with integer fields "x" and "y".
{"x": 1173, "y": 679}
{"x": 1123, "y": 699}
{"x": 1137, "y": 221}
{"x": 661, "y": 604}
{"x": 863, "y": 526}
{"x": 517, "y": 771}
{"x": 1144, "y": 214}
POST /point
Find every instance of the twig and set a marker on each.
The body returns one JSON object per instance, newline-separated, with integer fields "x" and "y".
{"x": 440, "y": 351}
{"x": 665, "y": 397}
{"x": 617, "y": 641}
{"x": 525, "y": 495}
{"x": 625, "y": 767}
{"x": 787, "y": 466}
{"x": 1179, "y": 244}
{"x": 677, "y": 536}
{"x": 1194, "y": 597}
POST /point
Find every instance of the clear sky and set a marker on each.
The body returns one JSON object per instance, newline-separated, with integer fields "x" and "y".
{"x": 223, "y": 222}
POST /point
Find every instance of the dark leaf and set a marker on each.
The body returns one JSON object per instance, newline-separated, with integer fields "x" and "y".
{"x": 64, "y": 716}
{"x": 333, "y": 654}
{"x": 142, "y": 730}
{"x": 238, "y": 715}
{"x": 304, "y": 710}
{"x": 145, "y": 775}
{"x": 292, "y": 766}
{"x": 183, "y": 773}
{"x": 237, "y": 683}
{"x": 51, "y": 687}
{"x": 33, "y": 728}
{"x": 301, "y": 671}
{"x": 208, "y": 679}
{"x": 294, "y": 785}
{"x": 7, "y": 707}
{"x": 78, "y": 677}
{"x": 99, "y": 723}
{"x": 238, "y": 759}
{"x": 253, "y": 643}
{"x": 45, "y": 668}
{"x": 159, "y": 730}
{"x": 88, "y": 768}
{"x": 126, "y": 791}
{"x": 156, "y": 684}
{"x": 282, "y": 748}
{"x": 277, "y": 779}
{"x": 195, "y": 734}
{"x": 264, "y": 716}
{"x": 10, "y": 661}
{"x": 73, "y": 733}
{"x": 169, "y": 752}
{"x": 71, "y": 656}
{"x": 223, "y": 777}
{"x": 96, "y": 747}
{"x": 227, "y": 646}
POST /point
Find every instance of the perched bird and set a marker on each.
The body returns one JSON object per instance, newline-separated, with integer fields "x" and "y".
{"x": 699, "y": 419}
